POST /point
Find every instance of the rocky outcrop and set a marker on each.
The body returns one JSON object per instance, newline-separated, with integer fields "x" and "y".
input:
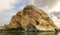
{"x": 31, "y": 19}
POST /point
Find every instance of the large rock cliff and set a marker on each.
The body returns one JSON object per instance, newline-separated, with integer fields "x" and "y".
{"x": 31, "y": 19}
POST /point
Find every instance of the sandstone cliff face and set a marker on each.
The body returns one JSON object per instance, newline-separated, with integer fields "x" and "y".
{"x": 31, "y": 19}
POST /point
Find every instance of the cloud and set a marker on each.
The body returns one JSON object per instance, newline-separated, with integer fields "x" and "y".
{"x": 7, "y": 4}
{"x": 5, "y": 17}
{"x": 56, "y": 8}
{"x": 6, "y": 10}
{"x": 46, "y": 5}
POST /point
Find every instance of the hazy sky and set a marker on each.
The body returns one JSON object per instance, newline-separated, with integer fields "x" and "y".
{"x": 49, "y": 5}
{"x": 8, "y": 8}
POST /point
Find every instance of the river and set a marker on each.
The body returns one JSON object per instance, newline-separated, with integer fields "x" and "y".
{"x": 29, "y": 33}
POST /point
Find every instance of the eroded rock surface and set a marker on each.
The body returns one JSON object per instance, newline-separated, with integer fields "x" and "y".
{"x": 31, "y": 19}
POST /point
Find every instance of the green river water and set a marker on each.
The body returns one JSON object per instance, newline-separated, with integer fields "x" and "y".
{"x": 29, "y": 33}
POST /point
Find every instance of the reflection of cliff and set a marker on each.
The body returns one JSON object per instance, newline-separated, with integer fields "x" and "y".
{"x": 47, "y": 33}
{"x": 29, "y": 33}
{"x": 31, "y": 19}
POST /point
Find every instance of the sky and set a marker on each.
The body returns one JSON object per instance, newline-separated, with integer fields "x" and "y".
{"x": 8, "y": 8}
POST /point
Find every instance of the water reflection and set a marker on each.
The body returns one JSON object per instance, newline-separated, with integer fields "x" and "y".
{"x": 29, "y": 33}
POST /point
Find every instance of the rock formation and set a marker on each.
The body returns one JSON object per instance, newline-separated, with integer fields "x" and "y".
{"x": 31, "y": 19}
